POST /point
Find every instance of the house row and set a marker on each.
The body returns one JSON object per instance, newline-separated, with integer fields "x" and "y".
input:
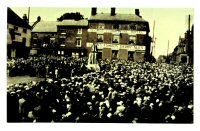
{"x": 18, "y": 35}
{"x": 116, "y": 36}
{"x": 183, "y": 52}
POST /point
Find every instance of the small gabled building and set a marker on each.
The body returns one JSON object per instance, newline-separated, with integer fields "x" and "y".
{"x": 44, "y": 37}
{"x": 18, "y": 35}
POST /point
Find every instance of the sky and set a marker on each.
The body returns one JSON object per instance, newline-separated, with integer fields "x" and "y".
{"x": 170, "y": 23}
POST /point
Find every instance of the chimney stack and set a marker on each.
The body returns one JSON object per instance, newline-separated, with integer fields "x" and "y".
{"x": 113, "y": 11}
{"x": 25, "y": 18}
{"x": 137, "y": 12}
{"x": 94, "y": 11}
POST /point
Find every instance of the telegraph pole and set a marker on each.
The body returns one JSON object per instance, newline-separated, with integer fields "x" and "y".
{"x": 167, "y": 48}
{"x": 153, "y": 42}
{"x": 189, "y": 23}
{"x": 28, "y": 14}
{"x": 167, "y": 58}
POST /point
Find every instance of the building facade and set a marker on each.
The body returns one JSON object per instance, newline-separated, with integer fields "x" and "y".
{"x": 183, "y": 52}
{"x": 72, "y": 38}
{"x": 116, "y": 36}
{"x": 119, "y": 36}
{"x": 44, "y": 38}
{"x": 18, "y": 36}
{"x": 65, "y": 38}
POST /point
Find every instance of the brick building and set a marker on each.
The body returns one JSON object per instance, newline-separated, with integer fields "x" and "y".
{"x": 72, "y": 37}
{"x": 18, "y": 36}
{"x": 67, "y": 37}
{"x": 119, "y": 36}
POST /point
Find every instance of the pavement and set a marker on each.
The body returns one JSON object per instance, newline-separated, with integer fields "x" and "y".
{"x": 22, "y": 79}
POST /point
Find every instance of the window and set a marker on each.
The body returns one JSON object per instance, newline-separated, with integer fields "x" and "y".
{"x": 184, "y": 50}
{"x": 78, "y": 42}
{"x": 24, "y": 40}
{"x": 62, "y": 35}
{"x": 125, "y": 27}
{"x": 130, "y": 55}
{"x": 58, "y": 52}
{"x": 52, "y": 40}
{"x": 62, "y": 52}
{"x": 141, "y": 27}
{"x": 132, "y": 39}
{"x": 100, "y": 38}
{"x": 101, "y": 26}
{"x": 116, "y": 26}
{"x": 75, "y": 54}
{"x": 133, "y": 26}
{"x": 15, "y": 28}
{"x": 115, "y": 39}
{"x": 62, "y": 42}
{"x": 24, "y": 30}
{"x": 79, "y": 30}
{"x": 114, "y": 54}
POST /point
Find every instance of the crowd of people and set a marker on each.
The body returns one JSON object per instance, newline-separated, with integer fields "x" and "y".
{"x": 46, "y": 66}
{"x": 122, "y": 91}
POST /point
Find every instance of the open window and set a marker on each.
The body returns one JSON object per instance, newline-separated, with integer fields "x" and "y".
{"x": 115, "y": 39}
{"x": 132, "y": 39}
{"x": 78, "y": 42}
{"x": 100, "y": 38}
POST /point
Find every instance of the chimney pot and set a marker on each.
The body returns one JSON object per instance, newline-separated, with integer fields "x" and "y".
{"x": 94, "y": 11}
{"x": 137, "y": 12}
{"x": 113, "y": 11}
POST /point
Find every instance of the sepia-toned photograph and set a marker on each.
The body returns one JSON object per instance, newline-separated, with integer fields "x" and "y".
{"x": 100, "y": 65}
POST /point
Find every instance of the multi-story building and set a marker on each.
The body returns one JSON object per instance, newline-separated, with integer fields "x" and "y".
{"x": 72, "y": 37}
{"x": 121, "y": 36}
{"x": 18, "y": 36}
{"x": 183, "y": 52}
{"x": 67, "y": 37}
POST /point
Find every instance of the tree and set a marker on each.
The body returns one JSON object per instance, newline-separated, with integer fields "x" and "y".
{"x": 74, "y": 16}
{"x": 38, "y": 20}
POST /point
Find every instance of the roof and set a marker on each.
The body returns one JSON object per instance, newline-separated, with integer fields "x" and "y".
{"x": 83, "y": 22}
{"x": 51, "y": 26}
{"x": 45, "y": 26}
{"x": 117, "y": 17}
{"x": 14, "y": 19}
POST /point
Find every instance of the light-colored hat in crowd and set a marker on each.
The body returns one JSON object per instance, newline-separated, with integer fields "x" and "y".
{"x": 119, "y": 102}
{"x": 109, "y": 115}
{"x": 53, "y": 110}
{"x": 50, "y": 80}
{"x": 89, "y": 103}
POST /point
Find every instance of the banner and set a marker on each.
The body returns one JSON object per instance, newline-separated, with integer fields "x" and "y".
{"x": 118, "y": 46}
